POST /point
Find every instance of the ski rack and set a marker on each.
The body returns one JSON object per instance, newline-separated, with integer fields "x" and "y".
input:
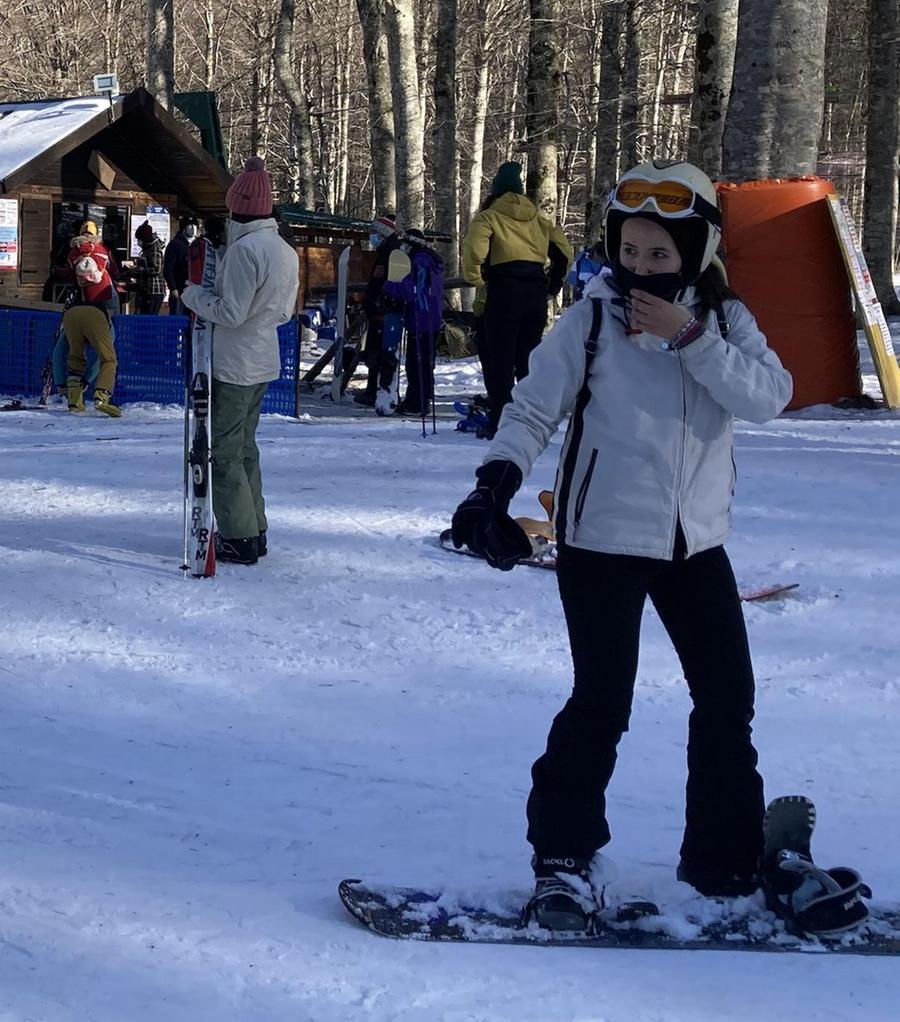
{"x": 869, "y": 307}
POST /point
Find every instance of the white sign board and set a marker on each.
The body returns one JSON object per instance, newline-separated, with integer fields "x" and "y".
{"x": 870, "y": 311}
{"x": 9, "y": 234}
{"x": 159, "y": 220}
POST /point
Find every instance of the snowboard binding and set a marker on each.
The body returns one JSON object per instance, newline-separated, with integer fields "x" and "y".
{"x": 812, "y": 901}
{"x": 475, "y": 415}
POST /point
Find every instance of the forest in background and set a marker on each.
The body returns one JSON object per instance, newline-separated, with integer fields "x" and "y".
{"x": 364, "y": 105}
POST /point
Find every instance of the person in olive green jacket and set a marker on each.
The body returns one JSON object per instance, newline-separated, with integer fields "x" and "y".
{"x": 508, "y": 245}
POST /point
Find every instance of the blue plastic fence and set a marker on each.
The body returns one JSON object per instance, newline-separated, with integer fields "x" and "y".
{"x": 150, "y": 352}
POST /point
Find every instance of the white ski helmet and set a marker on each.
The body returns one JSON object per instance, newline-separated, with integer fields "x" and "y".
{"x": 669, "y": 193}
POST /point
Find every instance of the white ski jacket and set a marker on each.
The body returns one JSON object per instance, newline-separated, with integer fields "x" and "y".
{"x": 649, "y": 441}
{"x": 255, "y": 292}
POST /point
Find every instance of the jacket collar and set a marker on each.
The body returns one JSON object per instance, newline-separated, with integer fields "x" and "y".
{"x": 238, "y": 230}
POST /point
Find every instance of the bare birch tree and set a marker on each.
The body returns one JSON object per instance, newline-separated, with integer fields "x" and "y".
{"x": 410, "y": 169}
{"x": 294, "y": 92}
{"x": 542, "y": 110}
{"x": 774, "y": 117}
{"x": 713, "y": 69}
{"x": 606, "y": 143}
{"x": 882, "y": 149}
{"x": 446, "y": 154}
{"x": 382, "y": 137}
{"x": 161, "y": 50}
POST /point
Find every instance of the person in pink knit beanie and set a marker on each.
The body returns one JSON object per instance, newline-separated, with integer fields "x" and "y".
{"x": 251, "y": 193}
{"x": 255, "y": 292}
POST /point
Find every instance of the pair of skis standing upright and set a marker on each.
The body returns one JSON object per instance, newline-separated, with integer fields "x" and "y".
{"x": 199, "y": 528}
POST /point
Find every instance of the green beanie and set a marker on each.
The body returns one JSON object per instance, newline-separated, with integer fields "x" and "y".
{"x": 508, "y": 179}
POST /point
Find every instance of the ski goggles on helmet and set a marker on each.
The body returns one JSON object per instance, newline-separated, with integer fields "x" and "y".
{"x": 671, "y": 199}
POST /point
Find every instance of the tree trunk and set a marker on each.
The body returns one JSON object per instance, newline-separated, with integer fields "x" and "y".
{"x": 211, "y": 48}
{"x": 382, "y": 137}
{"x": 297, "y": 100}
{"x": 542, "y": 105}
{"x": 445, "y": 153}
{"x": 774, "y": 114}
{"x": 882, "y": 149}
{"x": 478, "y": 117}
{"x": 606, "y": 150}
{"x": 407, "y": 113}
{"x": 630, "y": 81}
{"x": 161, "y": 51}
{"x": 713, "y": 68}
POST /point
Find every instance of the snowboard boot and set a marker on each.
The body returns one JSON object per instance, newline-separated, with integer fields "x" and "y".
{"x": 564, "y": 898}
{"x": 813, "y": 901}
{"x": 712, "y": 883}
{"x": 262, "y": 547}
{"x": 103, "y": 404}
{"x": 75, "y": 394}
{"x": 237, "y": 551}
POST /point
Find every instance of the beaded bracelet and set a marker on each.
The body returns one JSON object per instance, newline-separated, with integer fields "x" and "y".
{"x": 685, "y": 336}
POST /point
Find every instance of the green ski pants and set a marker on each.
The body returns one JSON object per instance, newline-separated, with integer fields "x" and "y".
{"x": 237, "y": 483}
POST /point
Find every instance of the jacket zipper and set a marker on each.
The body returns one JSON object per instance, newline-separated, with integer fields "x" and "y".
{"x": 680, "y": 473}
{"x": 583, "y": 489}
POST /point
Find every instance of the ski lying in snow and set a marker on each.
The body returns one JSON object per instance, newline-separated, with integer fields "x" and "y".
{"x": 543, "y": 555}
{"x": 199, "y": 538}
{"x": 388, "y": 396}
{"x": 409, "y": 914}
{"x": 19, "y": 406}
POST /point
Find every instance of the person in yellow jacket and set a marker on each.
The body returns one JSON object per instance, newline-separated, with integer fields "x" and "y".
{"x": 507, "y": 247}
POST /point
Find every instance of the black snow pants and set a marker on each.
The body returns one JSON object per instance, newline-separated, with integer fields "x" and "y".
{"x": 514, "y": 317}
{"x": 697, "y": 600}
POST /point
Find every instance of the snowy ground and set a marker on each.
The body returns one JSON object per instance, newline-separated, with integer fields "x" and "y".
{"x": 191, "y": 766}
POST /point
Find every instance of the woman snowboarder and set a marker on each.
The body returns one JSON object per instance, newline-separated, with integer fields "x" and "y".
{"x": 642, "y": 508}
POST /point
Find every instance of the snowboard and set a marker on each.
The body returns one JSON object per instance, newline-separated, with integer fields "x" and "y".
{"x": 408, "y": 913}
{"x": 388, "y": 396}
{"x": 543, "y": 551}
{"x": 340, "y": 332}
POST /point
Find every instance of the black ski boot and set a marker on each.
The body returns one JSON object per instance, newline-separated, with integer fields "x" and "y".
{"x": 564, "y": 898}
{"x": 237, "y": 551}
{"x": 812, "y": 901}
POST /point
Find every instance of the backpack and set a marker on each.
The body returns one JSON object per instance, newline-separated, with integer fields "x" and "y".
{"x": 428, "y": 270}
{"x": 87, "y": 271}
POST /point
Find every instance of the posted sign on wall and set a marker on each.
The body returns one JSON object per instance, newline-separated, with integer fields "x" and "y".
{"x": 9, "y": 234}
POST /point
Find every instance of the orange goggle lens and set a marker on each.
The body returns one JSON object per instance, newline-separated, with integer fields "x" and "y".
{"x": 669, "y": 196}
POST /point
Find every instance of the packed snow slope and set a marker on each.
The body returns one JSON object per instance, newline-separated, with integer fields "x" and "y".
{"x": 190, "y": 767}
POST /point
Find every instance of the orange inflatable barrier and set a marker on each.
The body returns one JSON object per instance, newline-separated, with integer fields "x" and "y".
{"x": 784, "y": 261}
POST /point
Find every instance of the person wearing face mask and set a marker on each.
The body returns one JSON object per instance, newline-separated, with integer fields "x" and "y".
{"x": 384, "y": 238}
{"x": 257, "y": 279}
{"x": 175, "y": 262}
{"x": 651, "y": 371}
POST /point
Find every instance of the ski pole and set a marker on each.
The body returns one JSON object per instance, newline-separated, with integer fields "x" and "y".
{"x": 421, "y": 375}
{"x": 432, "y": 358}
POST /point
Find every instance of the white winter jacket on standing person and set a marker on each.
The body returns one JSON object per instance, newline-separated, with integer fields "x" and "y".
{"x": 649, "y": 442}
{"x": 255, "y": 292}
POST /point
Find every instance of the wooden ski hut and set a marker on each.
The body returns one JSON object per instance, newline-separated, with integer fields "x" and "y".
{"x": 115, "y": 160}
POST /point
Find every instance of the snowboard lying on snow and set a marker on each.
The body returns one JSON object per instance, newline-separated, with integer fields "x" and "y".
{"x": 410, "y": 914}
{"x": 801, "y": 907}
{"x": 543, "y": 552}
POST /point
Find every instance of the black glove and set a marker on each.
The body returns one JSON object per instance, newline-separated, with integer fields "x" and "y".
{"x": 482, "y": 522}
